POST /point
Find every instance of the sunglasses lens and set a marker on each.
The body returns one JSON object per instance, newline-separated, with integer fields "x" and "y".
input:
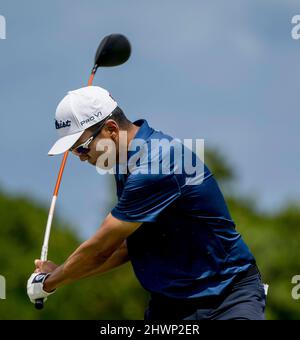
{"x": 81, "y": 150}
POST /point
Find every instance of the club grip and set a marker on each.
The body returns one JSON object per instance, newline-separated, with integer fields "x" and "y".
{"x": 39, "y": 304}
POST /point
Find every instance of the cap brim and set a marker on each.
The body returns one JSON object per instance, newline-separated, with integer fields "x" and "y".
{"x": 64, "y": 144}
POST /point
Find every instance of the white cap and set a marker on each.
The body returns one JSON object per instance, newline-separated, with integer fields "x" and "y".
{"x": 79, "y": 110}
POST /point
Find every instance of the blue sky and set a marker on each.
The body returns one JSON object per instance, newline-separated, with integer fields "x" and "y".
{"x": 225, "y": 71}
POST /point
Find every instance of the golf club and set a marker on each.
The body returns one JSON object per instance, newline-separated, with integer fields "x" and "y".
{"x": 114, "y": 50}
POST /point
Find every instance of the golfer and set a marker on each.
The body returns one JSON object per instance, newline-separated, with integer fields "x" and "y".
{"x": 174, "y": 228}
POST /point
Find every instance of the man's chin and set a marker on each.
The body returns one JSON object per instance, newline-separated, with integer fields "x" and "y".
{"x": 92, "y": 162}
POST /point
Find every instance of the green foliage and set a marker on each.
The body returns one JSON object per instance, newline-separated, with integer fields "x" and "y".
{"x": 115, "y": 295}
{"x": 274, "y": 240}
{"x": 219, "y": 165}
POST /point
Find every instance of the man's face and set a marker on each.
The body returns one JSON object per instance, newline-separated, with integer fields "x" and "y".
{"x": 109, "y": 132}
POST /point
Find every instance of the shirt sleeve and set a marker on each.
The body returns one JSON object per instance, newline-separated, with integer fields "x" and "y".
{"x": 144, "y": 197}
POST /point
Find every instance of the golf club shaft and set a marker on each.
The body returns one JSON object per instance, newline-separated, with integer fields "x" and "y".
{"x": 93, "y": 72}
{"x": 44, "y": 252}
{"x": 39, "y": 303}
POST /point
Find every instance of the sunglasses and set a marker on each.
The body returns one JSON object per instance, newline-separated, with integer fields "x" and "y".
{"x": 83, "y": 148}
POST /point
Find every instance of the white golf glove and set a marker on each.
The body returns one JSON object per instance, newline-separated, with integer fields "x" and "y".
{"x": 35, "y": 285}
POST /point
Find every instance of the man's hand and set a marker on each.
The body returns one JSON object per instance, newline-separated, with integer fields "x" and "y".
{"x": 35, "y": 285}
{"x": 44, "y": 266}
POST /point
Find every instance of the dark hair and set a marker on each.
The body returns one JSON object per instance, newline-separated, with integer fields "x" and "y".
{"x": 119, "y": 117}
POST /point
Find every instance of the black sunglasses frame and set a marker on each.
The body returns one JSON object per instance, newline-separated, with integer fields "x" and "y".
{"x": 83, "y": 148}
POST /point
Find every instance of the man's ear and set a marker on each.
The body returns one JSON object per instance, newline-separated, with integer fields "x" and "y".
{"x": 112, "y": 129}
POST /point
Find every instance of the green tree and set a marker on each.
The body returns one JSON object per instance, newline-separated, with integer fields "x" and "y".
{"x": 274, "y": 239}
{"x": 115, "y": 295}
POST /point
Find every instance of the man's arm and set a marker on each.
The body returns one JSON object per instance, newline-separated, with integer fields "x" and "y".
{"x": 119, "y": 257}
{"x": 91, "y": 255}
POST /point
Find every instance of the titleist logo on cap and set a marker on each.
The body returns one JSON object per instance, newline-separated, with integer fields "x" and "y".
{"x": 62, "y": 124}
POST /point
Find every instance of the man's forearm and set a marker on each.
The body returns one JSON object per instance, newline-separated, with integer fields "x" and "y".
{"x": 56, "y": 279}
{"x": 95, "y": 255}
{"x": 85, "y": 261}
{"x": 119, "y": 257}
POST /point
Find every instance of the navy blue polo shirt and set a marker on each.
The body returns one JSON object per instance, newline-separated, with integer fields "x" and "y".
{"x": 187, "y": 246}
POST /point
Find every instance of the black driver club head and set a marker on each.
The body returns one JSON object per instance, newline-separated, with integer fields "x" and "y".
{"x": 113, "y": 50}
